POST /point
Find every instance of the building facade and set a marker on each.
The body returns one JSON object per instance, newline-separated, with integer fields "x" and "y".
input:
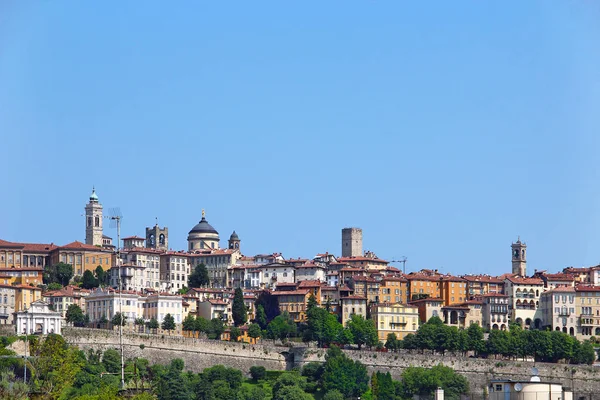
{"x": 399, "y": 319}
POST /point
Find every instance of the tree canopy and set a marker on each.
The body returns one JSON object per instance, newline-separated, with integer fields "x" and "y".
{"x": 199, "y": 277}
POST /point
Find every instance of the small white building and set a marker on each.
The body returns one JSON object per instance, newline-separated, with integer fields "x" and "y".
{"x": 275, "y": 273}
{"x": 39, "y": 319}
{"x": 527, "y": 390}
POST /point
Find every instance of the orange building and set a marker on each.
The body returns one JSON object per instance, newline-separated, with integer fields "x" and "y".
{"x": 424, "y": 284}
{"x": 454, "y": 290}
{"x": 394, "y": 289}
{"x": 365, "y": 286}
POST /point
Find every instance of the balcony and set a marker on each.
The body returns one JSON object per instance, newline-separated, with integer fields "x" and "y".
{"x": 564, "y": 313}
{"x": 396, "y": 324}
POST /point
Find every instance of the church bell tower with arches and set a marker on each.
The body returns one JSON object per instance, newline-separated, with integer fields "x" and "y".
{"x": 519, "y": 258}
{"x": 93, "y": 220}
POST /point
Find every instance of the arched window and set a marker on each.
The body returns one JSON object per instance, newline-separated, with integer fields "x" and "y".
{"x": 97, "y": 221}
{"x": 89, "y": 221}
{"x": 161, "y": 239}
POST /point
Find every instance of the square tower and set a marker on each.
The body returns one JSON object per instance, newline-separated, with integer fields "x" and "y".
{"x": 157, "y": 238}
{"x": 519, "y": 258}
{"x": 352, "y": 242}
{"x": 93, "y": 221}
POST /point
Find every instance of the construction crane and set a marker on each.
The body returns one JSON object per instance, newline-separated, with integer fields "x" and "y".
{"x": 403, "y": 261}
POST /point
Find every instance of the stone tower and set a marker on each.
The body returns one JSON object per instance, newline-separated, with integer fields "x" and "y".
{"x": 157, "y": 238}
{"x": 234, "y": 241}
{"x": 93, "y": 221}
{"x": 352, "y": 243}
{"x": 519, "y": 258}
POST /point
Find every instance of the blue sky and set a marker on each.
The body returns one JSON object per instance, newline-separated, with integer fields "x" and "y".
{"x": 443, "y": 129}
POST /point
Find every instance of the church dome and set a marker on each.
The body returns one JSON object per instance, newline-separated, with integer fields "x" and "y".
{"x": 234, "y": 236}
{"x": 204, "y": 227}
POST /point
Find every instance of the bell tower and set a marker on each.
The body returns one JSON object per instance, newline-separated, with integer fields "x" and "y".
{"x": 234, "y": 241}
{"x": 157, "y": 238}
{"x": 93, "y": 220}
{"x": 519, "y": 258}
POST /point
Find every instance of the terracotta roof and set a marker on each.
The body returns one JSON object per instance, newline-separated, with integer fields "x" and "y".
{"x": 309, "y": 283}
{"x": 455, "y": 307}
{"x": 29, "y": 247}
{"x": 353, "y": 297}
{"x": 450, "y": 278}
{"x": 394, "y": 279}
{"x": 482, "y": 278}
{"x": 217, "y": 302}
{"x": 77, "y": 245}
{"x": 426, "y": 300}
{"x": 134, "y": 237}
{"x": 361, "y": 278}
{"x": 363, "y": 259}
{"x": 587, "y": 288}
{"x": 524, "y": 281}
{"x": 495, "y": 295}
{"x": 290, "y": 292}
{"x": 142, "y": 250}
{"x": 422, "y": 277}
{"x": 559, "y": 277}
{"x": 329, "y": 288}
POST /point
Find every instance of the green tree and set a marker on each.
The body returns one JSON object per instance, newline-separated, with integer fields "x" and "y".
{"x": 261, "y": 317}
{"x": 152, "y": 324}
{"x": 585, "y": 354}
{"x": 424, "y": 381}
{"x": 189, "y": 323}
{"x": 54, "y": 286}
{"x": 254, "y": 331}
{"x": 139, "y": 322}
{"x": 75, "y": 315}
{"x": 475, "y": 340}
{"x": 101, "y": 276}
{"x": 59, "y": 273}
{"x": 287, "y": 380}
{"x": 252, "y": 393}
{"x": 239, "y": 312}
{"x": 199, "y": 277}
{"x": 311, "y": 303}
{"x": 234, "y": 334}
{"x": 173, "y": 385}
{"x": 117, "y": 320}
{"x": 168, "y": 323}
{"x": 363, "y": 331}
{"x": 89, "y": 281}
{"x": 219, "y": 382}
{"x": 12, "y": 388}
{"x": 498, "y": 342}
{"x": 270, "y": 305}
{"x": 111, "y": 359}
{"x": 342, "y": 374}
{"x": 217, "y": 327}
{"x": 292, "y": 393}
{"x": 281, "y": 327}
{"x": 258, "y": 372}
{"x": 333, "y": 395}
{"x": 313, "y": 371}
{"x": 392, "y": 342}
{"x": 203, "y": 325}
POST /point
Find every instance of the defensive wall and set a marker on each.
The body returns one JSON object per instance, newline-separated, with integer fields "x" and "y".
{"x": 202, "y": 353}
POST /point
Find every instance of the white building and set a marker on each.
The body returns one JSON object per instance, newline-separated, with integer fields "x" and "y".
{"x": 524, "y": 299}
{"x": 158, "y": 305}
{"x": 39, "y": 319}
{"x": 558, "y": 309}
{"x": 275, "y": 273}
{"x": 310, "y": 272}
{"x": 146, "y": 273}
{"x": 174, "y": 271}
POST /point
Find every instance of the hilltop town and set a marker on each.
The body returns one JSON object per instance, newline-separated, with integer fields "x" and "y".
{"x": 156, "y": 282}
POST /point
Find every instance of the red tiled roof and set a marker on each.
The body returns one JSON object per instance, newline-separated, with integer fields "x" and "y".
{"x": 482, "y": 278}
{"x": 353, "y": 297}
{"x": 29, "y": 247}
{"x": 309, "y": 283}
{"x": 524, "y": 281}
{"x": 495, "y": 295}
{"x": 367, "y": 259}
{"x": 560, "y": 277}
{"x": 587, "y": 288}
{"x": 290, "y": 292}
{"x": 560, "y": 289}
{"x": 77, "y": 245}
{"x": 133, "y": 238}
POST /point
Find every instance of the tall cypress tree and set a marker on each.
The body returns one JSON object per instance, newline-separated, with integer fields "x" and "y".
{"x": 239, "y": 311}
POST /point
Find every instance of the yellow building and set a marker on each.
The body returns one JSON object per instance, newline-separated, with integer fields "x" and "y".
{"x": 365, "y": 286}
{"x": 24, "y": 255}
{"x": 394, "y": 290}
{"x": 22, "y": 276}
{"x": 60, "y": 300}
{"x": 587, "y": 311}
{"x": 83, "y": 257}
{"x": 398, "y": 319}
{"x": 244, "y": 338}
{"x": 351, "y": 305}
{"x": 25, "y": 295}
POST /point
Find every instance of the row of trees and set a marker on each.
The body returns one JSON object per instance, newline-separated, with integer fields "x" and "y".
{"x": 543, "y": 346}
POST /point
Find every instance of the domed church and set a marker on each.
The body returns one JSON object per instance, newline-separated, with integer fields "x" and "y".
{"x": 203, "y": 236}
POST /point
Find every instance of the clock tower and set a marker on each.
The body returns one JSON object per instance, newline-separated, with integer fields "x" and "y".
{"x": 519, "y": 258}
{"x": 93, "y": 221}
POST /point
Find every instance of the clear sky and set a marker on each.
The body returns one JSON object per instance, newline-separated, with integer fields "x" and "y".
{"x": 443, "y": 129}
